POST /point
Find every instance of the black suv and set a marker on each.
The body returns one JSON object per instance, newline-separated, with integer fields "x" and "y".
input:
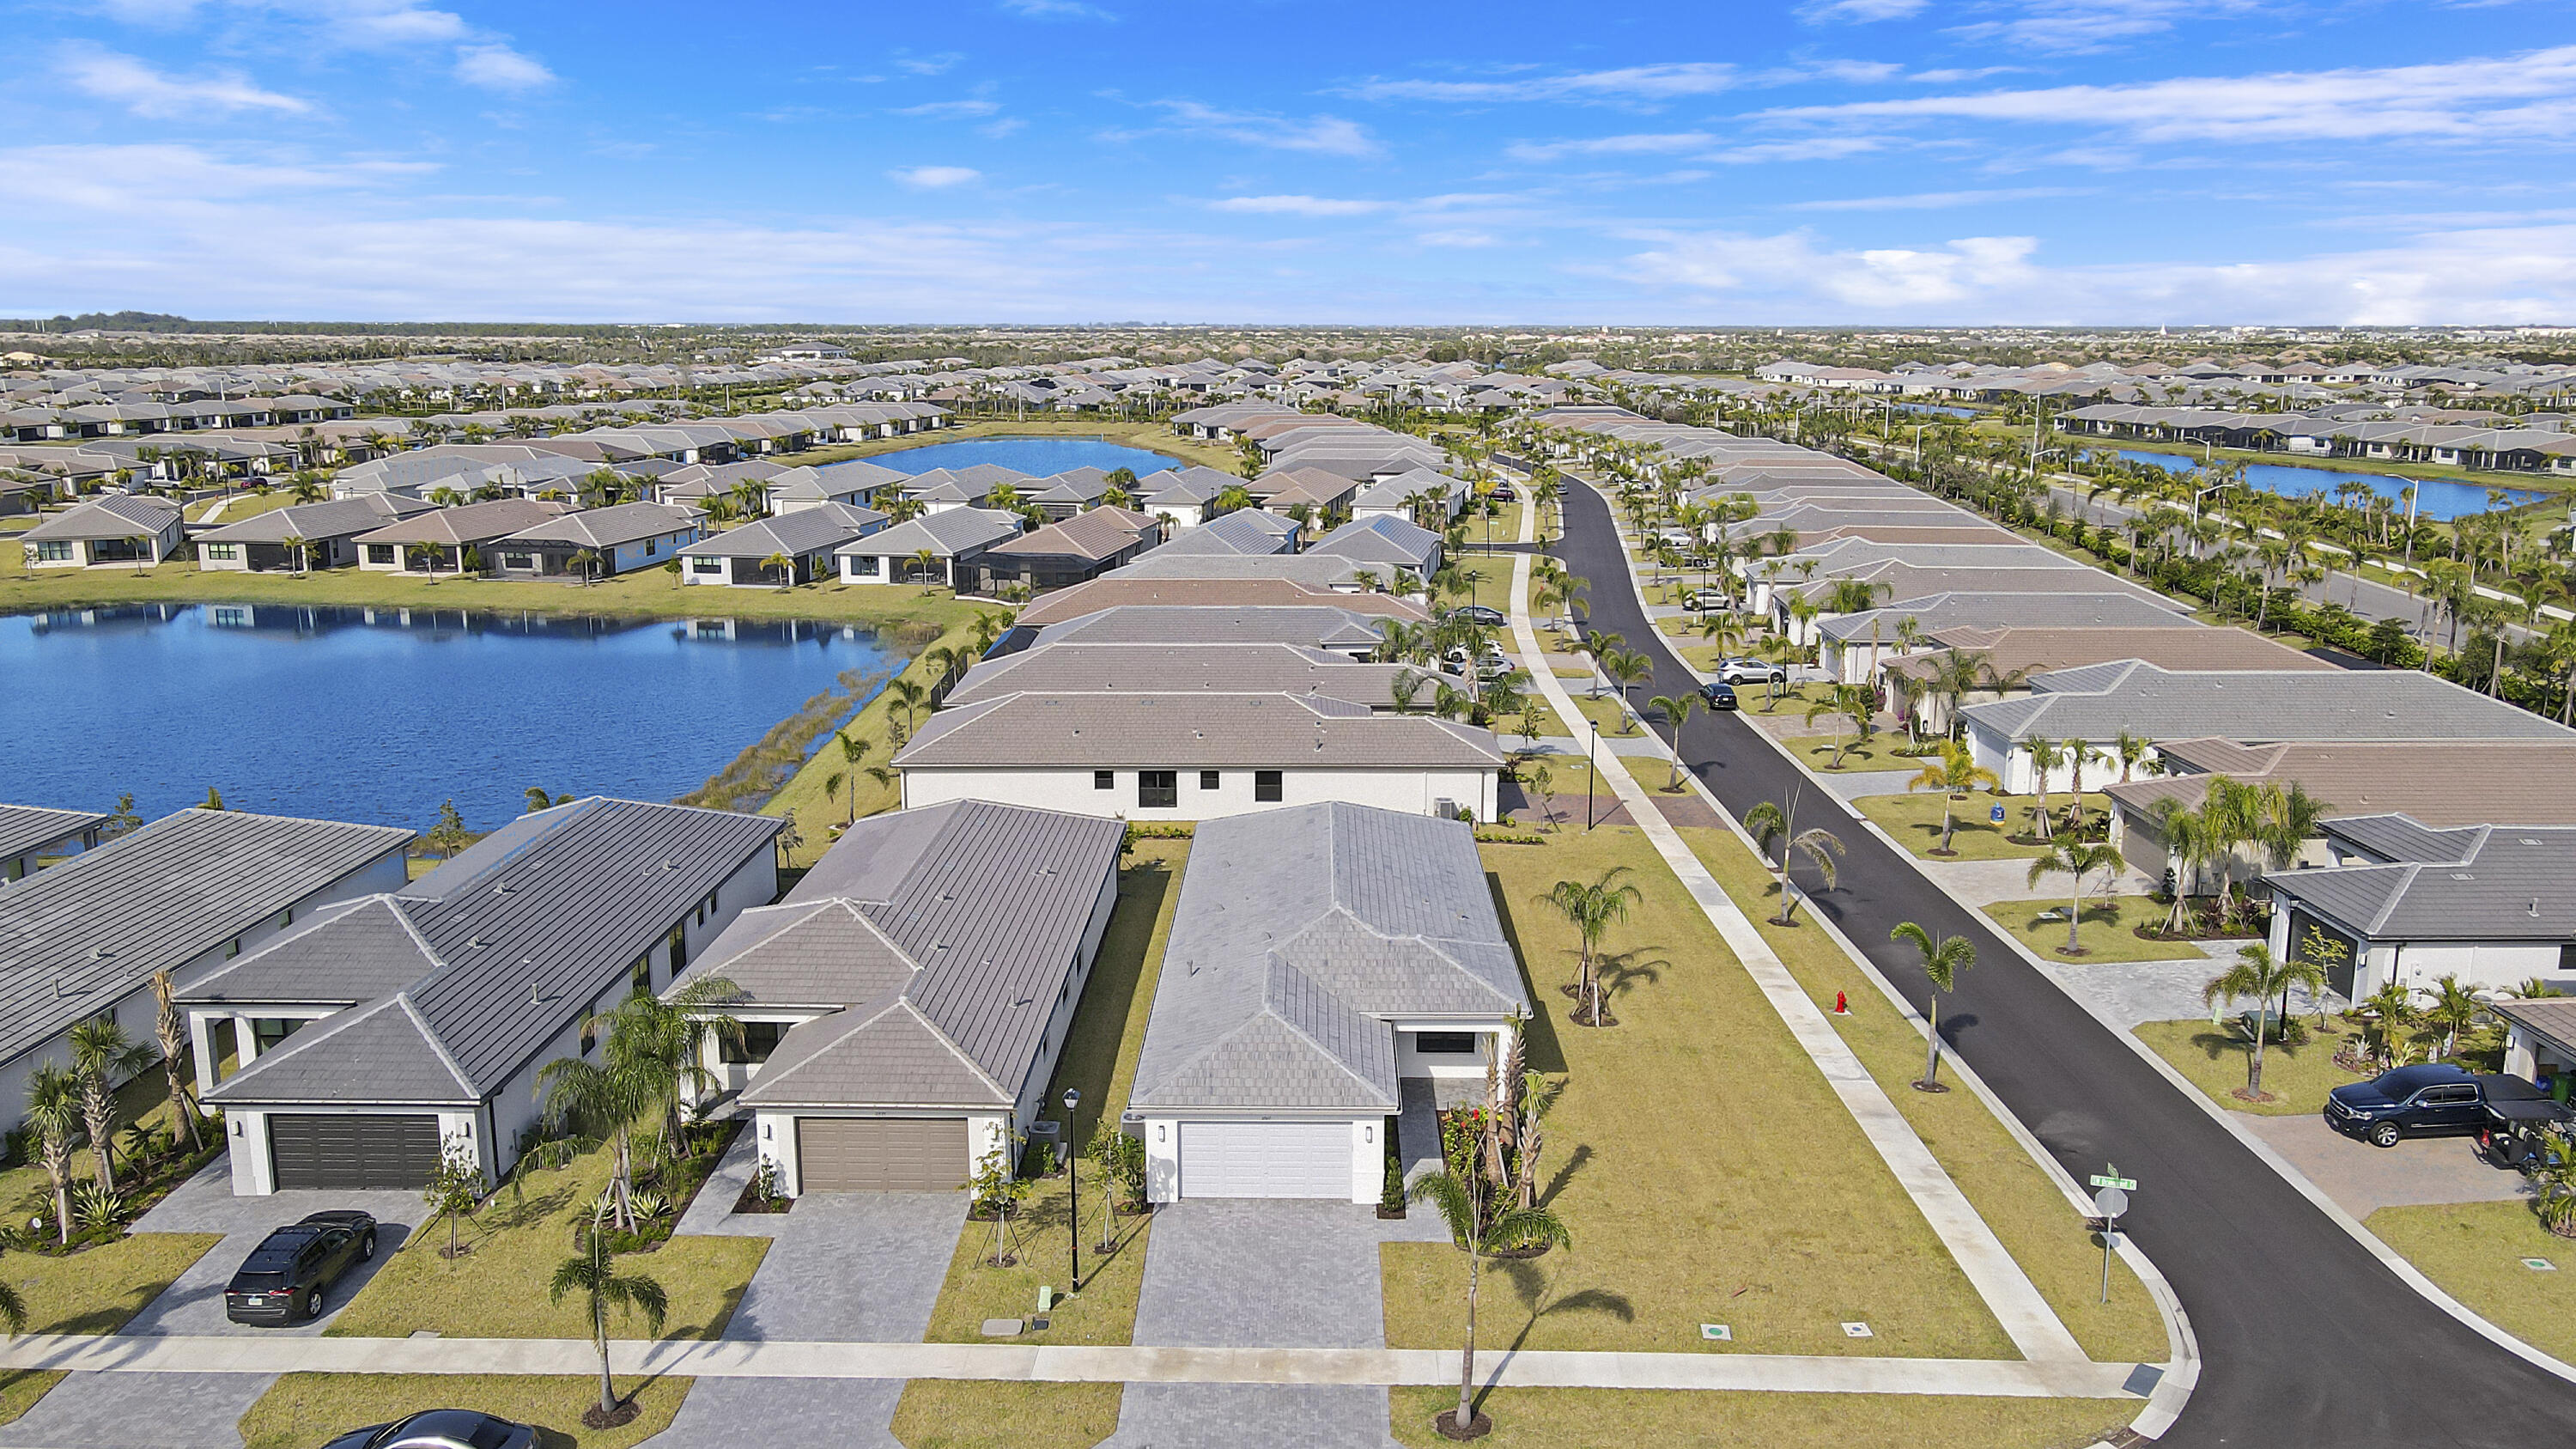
{"x": 2428, "y": 1100}
{"x": 286, "y": 1277}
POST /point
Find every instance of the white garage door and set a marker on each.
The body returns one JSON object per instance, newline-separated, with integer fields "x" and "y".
{"x": 1266, "y": 1159}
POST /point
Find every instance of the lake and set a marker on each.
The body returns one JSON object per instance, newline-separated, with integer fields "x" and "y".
{"x": 378, "y": 715}
{"x": 2434, "y": 497}
{"x": 1037, "y": 457}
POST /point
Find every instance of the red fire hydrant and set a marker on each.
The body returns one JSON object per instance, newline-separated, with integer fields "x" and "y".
{"x": 1841, "y": 1006}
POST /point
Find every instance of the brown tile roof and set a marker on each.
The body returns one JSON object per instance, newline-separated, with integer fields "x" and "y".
{"x": 1099, "y": 534}
{"x": 2039, "y": 650}
{"x": 2520, "y": 782}
{"x": 1116, "y": 592}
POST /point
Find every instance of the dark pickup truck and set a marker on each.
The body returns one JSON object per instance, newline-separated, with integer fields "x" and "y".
{"x": 2437, "y": 1100}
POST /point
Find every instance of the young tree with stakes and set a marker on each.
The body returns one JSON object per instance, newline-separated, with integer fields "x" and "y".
{"x": 1767, "y": 823}
{"x": 1592, "y": 908}
{"x": 1943, "y": 959}
{"x": 1473, "y": 1222}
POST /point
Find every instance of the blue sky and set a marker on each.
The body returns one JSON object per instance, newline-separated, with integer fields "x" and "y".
{"x": 1955, "y": 161}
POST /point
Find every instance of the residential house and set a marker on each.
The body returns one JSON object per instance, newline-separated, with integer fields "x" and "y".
{"x": 1244, "y": 532}
{"x": 2008, "y": 658}
{"x": 1326, "y": 963}
{"x": 806, "y": 539}
{"x": 1222, "y": 668}
{"x": 619, "y": 539}
{"x": 132, "y": 530}
{"x": 1183, "y": 497}
{"x": 1123, "y": 587}
{"x": 852, "y": 484}
{"x": 1388, "y": 547}
{"x": 413, "y": 1022}
{"x": 1341, "y": 631}
{"x": 1409, "y": 494}
{"x": 936, "y": 548}
{"x": 446, "y": 540}
{"x": 32, "y": 835}
{"x": 1057, "y": 555}
{"x": 2411, "y": 904}
{"x": 942, "y": 489}
{"x": 183, "y": 894}
{"x": 1197, "y": 756}
{"x": 1314, "y": 571}
{"x": 1845, "y": 639}
{"x": 695, "y": 483}
{"x": 327, "y": 533}
{"x": 904, "y": 1006}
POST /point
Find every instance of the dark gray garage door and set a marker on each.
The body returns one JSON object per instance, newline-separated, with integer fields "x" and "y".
{"x": 881, "y": 1154}
{"x": 349, "y": 1151}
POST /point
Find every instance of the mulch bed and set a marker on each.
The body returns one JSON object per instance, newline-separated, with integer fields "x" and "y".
{"x": 1446, "y": 1423}
{"x": 619, "y": 1417}
{"x": 751, "y": 1202}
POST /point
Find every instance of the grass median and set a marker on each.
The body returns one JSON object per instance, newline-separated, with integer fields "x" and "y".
{"x": 2105, "y": 932}
{"x": 1550, "y": 1418}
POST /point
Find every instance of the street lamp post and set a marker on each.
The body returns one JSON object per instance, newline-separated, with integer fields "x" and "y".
{"x": 1073, "y": 1189}
{"x": 1592, "y": 769}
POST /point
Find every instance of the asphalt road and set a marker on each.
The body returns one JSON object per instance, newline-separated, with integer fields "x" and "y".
{"x": 2306, "y": 1338}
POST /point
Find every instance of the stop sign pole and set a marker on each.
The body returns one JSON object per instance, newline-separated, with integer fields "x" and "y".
{"x": 2110, "y": 1202}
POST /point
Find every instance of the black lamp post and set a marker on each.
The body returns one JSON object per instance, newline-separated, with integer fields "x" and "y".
{"x": 1073, "y": 1189}
{"x": 1591, "y": 770}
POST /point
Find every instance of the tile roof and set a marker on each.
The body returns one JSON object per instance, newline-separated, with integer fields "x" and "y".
{"x": 1321, "y": 626}
{"x": 2482, "y": 883}
{"x": 2187, "y": 646}
{"x": 469, "y": 522}
{"x": 312, "y": 522}
{"x": 112, "y": 516}
{"x": 1114, "y": 589}
{"x": 1101, "y": 533}
{"x": 25, "y": 827}
{"x": 1194, "y": 731}
{"x": 608, "y": 527}
{"x": 806, "y": 530}
{"x": 1961, "y": 608}
{"x": 2098, "y": 701}
{"x": 948, "y": 533}
{"x": 2455, "y": 782}
{"x": 1179, "y": 668}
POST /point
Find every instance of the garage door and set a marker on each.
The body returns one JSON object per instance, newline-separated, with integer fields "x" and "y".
{"x": 1266, "y": 1159}
{"x": 344, "y": 1151}
{"x": 881, "y": 1154}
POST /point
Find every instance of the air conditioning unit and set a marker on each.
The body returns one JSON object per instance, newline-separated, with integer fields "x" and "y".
{"x": 1445, "y": 809}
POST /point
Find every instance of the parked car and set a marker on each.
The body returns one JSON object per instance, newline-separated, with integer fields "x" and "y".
{"x": 1704, "y": 601}
{"x": 1718, "y": 696}
{"x": 440, "y": 1429}
{"x": 1751, "y": 671}
{"x": 288, "y": 1277}
{"x": 1484, "y": 614}
{"x": 1503, "y": 494}
{"x": 2431, "y": 1099}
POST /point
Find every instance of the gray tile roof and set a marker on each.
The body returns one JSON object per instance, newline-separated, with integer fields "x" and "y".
{"x": 807, "y": 530}
{"x": 2098, "y": 701}
{"x": 1317, "y": 626}
{"x": 519, "y": 933}
{"x": 113, "y": 516}
{"x": 944, "y": 937}
{"x": 1192, "y": 731}
{"x": 313, "y": 522}
{"x": 608, "y": 527}
{"x": 1957, "y": 609}
{"x": 468, "y": 522}
{"x": 25, "y": 827}
{"x": 1320, "y": 571}
{"x": 1178, "y": 668}
{"x": 2489, "y": 883}
{"x": 80, "y": 936}
{"x": 1298, "y": 935}
{"x": 952, "y": 532}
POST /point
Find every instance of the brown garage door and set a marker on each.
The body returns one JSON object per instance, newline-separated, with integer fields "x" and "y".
{"x": 337, "y": 1151}
{"x": 881, "y": 1154}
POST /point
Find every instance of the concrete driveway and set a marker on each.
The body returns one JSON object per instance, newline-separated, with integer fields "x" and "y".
{"x": 205, "y": 1204}
{"x": 2362, "y": 1179}
{"x": 139, "y": 1411}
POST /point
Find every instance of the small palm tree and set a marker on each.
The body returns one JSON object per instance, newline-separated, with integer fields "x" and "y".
{"x": 2390, "y": 1011}
{"x": 924, "y": 565}
{"x": 54, "y": 1115}
{"x": 2077, "y": 860}
{"x": 1944, "y": 957}
{"x": 170, "y": 1033}
{"x": 101, "y": 1058}
{"x": 2259, "y": 977}
{"x": 594, "y": 1277}
{"x": 1766, "y": 823}
{"x": 780, "y": 565}
{"x": 1474, "y": 1221}
{"x": 1592, "y": 908}
{"x": 295, "y": 544}
{"x": 1954, "y": 773}
{"x": 1676, "y": 710}
{"x": 587, "y": 561}
{"x": 2453, "y": 1009}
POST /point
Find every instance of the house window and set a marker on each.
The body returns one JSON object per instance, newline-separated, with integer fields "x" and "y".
{"x": 380, "y": 553}
{"x": 641, "y": 973}
{"x": 53, "y": 553}
{"x": 652, "y": 546}
{"x": 1158, "y": 789}
{"x": 759, "y": 1039}
{"x": 866, "y": 566}
{"x": 1209, "y": 779}
{"x": 1104, "y": 779}
{"x": 706, "y": 565}
{"x": 286, "y": 918}
{"x": 589, "y": 1035}
{"x": 1444, "y": 1043}
{"x": 224, "y": 552}
{"x": 1267, "y": 786}
{"x": 267, "y": 1033}
{"x": 520, "y": 561}
{"x": 679, "y": 939}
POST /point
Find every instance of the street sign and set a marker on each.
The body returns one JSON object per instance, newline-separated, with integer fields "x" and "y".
{"x": 2110, "y": 1177}
{"x": 2110, "y": 1202}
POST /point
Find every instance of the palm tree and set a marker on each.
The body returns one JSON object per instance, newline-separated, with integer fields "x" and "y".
{"x": 1474, "y": 1221}
{"x": 2453, "y": 1009}
{"x": 54, "y": 1115}
{"x": 853, "y": 753}
{"x": 1766, "y": 823}
{"x": 1231, "y": 497}
{"x": 781, "y": 565}
{"x": 603, "y": 1101}
{"x": 586, "y": 560}
{"x": 102, "y": 1057}
{"x": 2130, "y": 750}
{"x": 1625, "y": 667}
{"x": 1676, "y": 710}
{"x": 2259, "y": 977}
{"x": 907, "y": 695}
{"x": 2390, "y": 1010}
{"x": 1954, "y": 774}
{"x": 1592, "y": 909}
{"x": 924, "y": 564}
{"x": 1943, "y": 959}
{"x": 1843, "y": 702}
{"x": 595, "y": 1278}
{"x": 424, "y": 557}
{"x": 2076, "y": 859}
{"x": 170, "y": 1033}
{"x": 295, "y": 543}
{"x": 2045, "y": 757}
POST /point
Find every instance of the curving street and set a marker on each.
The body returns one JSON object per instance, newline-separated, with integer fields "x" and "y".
{"x": 2306, "y": 1338}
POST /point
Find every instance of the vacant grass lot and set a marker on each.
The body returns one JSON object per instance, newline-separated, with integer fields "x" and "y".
{"x": 1099, "y": 1060}
{"x": 94, "y": 1291}
{"x": 303, "y": 1410}
{"x": 2213, "y": 1057}
{"x": 1552, "y": 1418}
{"x": 497, "y": 1290}
{"x": 2475, "y": 1251}
{"x": 2104, "y": 932}
{"x": 2019, "y": 1201}
{"x": 1686, "y": 1208}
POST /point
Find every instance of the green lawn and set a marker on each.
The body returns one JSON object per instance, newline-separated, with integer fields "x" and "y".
{"x": 1683, "y": 1207}
{"x": 1914, "y": 819}
{"x": 2104, "y": 933}
{"x": 1605, "y": 711}
{"x": 2297, "y": 1078}
{"x": 1099, "y": 1059}
{"x": 2025, "y": 1209}
{"x": 497, "y": 1289}
{"x": 1649, "y": 1418}
{"x": 2475, "y": 1251}
{"x": 300, "y": 1411}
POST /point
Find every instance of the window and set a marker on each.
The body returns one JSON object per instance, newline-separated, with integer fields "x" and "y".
{"x": 641, "y": 973}
{"x": 1444, "y": 1043}
{"x": 652, "y": 546}
{"x": 589, "y": 1035}
{"x": 380, "y": 553}
{"x": 521, "y": 561}
{"x": 679, "y": 939}
{"x": 706, "y": 565}
{"x": 1267, "y": 786}
{"x": 53, "y": 553}
{"x": 1158, "y": 789}
{"x": 1104, "y": 779}
{"x": 267, "y": 1032}
{"x": 224, "y": 552}
{"x": 759, "y": 1039}
{"x": 866, "y": 566}
{"x": 1209, "y": 779}
{"x": 286, "y": 918}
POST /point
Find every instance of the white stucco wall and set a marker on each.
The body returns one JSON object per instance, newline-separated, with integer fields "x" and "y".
{"x": 1413, "y": 791}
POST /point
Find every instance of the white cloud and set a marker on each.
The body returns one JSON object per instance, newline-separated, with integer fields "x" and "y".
{"x": 1862, "y": 11}
{"x": 139, "y": 88}
{"x": 1457, "y": 238}
{"x": 950, "y": 110}
{"x": 927, "y": 64}
{"x": 1001, "y": 128}
{"x": 2530, "y": 95}
{"x": 499, "y": 68}
{"x": 2076, "y": 26}
{"x": 120, "y": 182}
{"x": 935, "y": 178}
{"x": 1296, "y": 206}
{"x": 1662, "y": 144}
{"x": 1630, "y": 83}
{"x": 1934, "y": 200}
{"x": 1056, "y": 10}
{"x": 1324, "y": 135}
{"x": 1892, "y": 282}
